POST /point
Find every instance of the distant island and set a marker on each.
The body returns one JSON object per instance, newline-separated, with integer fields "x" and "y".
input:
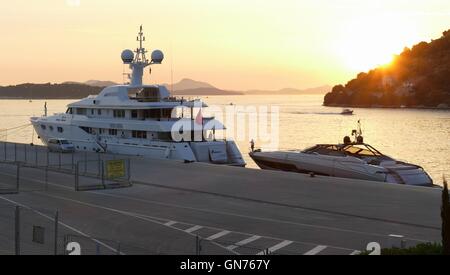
{"x": 417, "y": 78}
{"x": 77, "y": 90}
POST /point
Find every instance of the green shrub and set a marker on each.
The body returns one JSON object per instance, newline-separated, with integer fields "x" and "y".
{"x": 421, "y": 249}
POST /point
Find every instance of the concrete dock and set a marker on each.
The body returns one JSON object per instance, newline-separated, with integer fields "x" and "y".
{"x": 230, "y": 210}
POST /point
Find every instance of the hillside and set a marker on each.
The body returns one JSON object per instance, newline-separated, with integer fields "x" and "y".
{"x": 76, "y": 90}
{"x": 418, "y": 77}
{"x": 204, "y": 92}
{"x": 48, "y": 91}
{"x": 189, "y": 84}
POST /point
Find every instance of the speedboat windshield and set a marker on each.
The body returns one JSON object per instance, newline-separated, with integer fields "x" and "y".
{"x": 354, "y": 150}
{"x": 361, "y": 150}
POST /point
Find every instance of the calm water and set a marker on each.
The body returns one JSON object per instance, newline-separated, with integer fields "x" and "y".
{"x": 418, "y": 136}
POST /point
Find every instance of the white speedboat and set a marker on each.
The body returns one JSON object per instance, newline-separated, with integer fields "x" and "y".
{"x": 355, "y": 160}
{"x": 141, "y": 120}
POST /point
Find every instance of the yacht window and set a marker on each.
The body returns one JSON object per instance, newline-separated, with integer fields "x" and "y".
{"x": 92, "y": 111}
{"x": 69, "y": 111}
{"x": 43, "y": 127}
{"x": 53, "y": 141}
{"x": 134, "y": 114}
{"x": 81, "y": 111}
{"x": 99, "y": 112}
{"x": 113, "y": 132}
{"x": 87, "y": 129}
{"x": 140, "y": 134}
{"x": 165, "y": 136}
{"x": 60, "y": 129}
{"x": 148, "y": 94}
{"x": 119, "y": 113}
{"x": 51, "y": 128}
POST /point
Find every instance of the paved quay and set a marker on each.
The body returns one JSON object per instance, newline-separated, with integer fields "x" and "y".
{"x": 231, "y": 210}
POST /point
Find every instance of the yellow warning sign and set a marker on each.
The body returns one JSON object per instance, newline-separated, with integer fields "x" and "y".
{"x": 115, "y": 169}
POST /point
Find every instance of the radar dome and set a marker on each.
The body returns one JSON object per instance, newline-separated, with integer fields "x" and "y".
{"x": 157, "y": 56}
{"x": 127, "y": 56}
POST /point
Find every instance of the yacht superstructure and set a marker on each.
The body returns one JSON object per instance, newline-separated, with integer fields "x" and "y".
{"x": 144, "y": 120}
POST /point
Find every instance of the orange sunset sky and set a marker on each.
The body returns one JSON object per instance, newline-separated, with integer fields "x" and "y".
{"x": 231, "y": 44}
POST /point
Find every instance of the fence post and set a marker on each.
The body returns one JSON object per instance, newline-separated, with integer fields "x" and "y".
{"x": 56, "y": 232}
{"x": 103, "y": 175}
{"x": 46, "y": 178}
{"x": 198, "y": 245}
{"x": 18, "y": 177}
{"x": 100, "y": 170}
{"x": 72, "y": 161}
{"x": 77, "y": 177}
{"x": 85, "y": 162}
{"x": 36, "y": 155}
{"x": 17, "y": 231}
{"x": 129, "y": 170}
{"x": 66, "y": 241}
{"x": 118, "y": 249}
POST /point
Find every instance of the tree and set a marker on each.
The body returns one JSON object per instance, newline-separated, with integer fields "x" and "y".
{"x": 445, "y": 214}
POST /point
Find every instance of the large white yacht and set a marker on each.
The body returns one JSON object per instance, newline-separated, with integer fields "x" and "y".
{"x": 143, "y": 120}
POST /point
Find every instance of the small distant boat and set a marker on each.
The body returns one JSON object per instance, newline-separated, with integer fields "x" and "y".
{"x": 347, "y": 112}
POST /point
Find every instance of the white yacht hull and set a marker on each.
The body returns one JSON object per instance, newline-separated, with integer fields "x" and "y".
{"x": 185, "y": 151}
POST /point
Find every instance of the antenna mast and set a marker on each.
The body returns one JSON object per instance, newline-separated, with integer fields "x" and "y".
{"x": 138, "y": 61}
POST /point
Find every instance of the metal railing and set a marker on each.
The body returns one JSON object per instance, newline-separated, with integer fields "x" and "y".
{"x": 86, "y": 171}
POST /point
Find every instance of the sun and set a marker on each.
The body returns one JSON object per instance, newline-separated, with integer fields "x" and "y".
{"x": 367, "y": 43}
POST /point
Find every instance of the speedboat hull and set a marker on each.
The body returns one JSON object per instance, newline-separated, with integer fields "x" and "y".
{"x": 342, "y": 167}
